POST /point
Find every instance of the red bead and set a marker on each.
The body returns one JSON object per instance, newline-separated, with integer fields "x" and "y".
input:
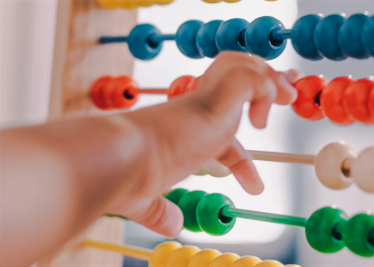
{"x": 356, "y": 100}
{"x": 122, "y": 92}
{"x": 371, "y": 103}
{"x": 179, "y": 86}
{"x": 193, "y": 85}
{"x": 332, "y": 100}
{"x": 97, "y": 92}
{"x": 307, "y": 104}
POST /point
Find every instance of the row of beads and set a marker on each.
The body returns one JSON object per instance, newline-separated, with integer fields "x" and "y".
{"x": 313, "y": 37}
{"x": 328, "y": 230}
{"x": 337, "y": 167}
{"x": 343, "y": 100}
{"x": 172, "y": 254}
{"x": 131, "y": 4}
{"x": 109, "y": 93}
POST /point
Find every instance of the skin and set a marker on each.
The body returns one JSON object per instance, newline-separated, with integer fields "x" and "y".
{"x": 58, "y": 178}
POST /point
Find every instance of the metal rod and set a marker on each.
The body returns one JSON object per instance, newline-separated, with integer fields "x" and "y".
{"x": 280, "y": 34}
{"x": 227, "y": 211}
{"x": 282, "y": 157}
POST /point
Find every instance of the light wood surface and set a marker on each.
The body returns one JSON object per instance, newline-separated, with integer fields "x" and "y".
{"x": 78, "y": 61}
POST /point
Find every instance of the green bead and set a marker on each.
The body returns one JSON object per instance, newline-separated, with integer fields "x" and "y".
{"x": 320, "y": 230}
{"x": 356, "y": 234}
{"x": 188, "y": 204}
{"x": 175, "y": 195}
{"x": 209, "y": 217}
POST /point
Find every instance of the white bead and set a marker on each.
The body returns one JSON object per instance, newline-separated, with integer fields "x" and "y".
{"x": 363, "y": 170}
{"x": 215, "y": 169}
{"x": 329, "y": 165}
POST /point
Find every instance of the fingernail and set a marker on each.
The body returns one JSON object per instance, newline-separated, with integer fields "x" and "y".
{"x": 288, "y": 86}
{"x": 174, "y": 224}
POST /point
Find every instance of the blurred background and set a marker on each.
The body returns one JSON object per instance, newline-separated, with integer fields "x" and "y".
{"x": 26, "y": 49}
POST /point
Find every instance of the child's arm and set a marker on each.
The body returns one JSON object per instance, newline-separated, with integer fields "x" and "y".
{"x": 57, "y": 178}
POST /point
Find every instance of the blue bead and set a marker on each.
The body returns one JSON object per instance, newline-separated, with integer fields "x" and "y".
{"x": 139, "y": 44}
{"x": 302, "y": 37}
{"x": 258, "y": 41}
{"x": 186, "y": 38}
{"x": 368, "y": 35}
{"x": 326, "y": 37}
{"x": 229, "y": 35}
{"x": 350, "y": 37}
{"x": 206, "y": 39}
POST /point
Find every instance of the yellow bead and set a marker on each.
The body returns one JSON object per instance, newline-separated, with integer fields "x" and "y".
{"x": 269, "y": 263}
{"x": 162, "y": 252}
{"x": 247, "y": 261}
{"x": 182, "y": 256}
{"x": 225, "y": 260}
{"x": 204, "y": 258}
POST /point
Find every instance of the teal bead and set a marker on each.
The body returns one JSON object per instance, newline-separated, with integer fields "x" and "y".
{"x": 350, "y": 37}
{"x": 356, "y": 234}
{"x": 230, "y": 35}
{"x": 206, "y": 39}
{"x": 175, "y": 195}
{"x": 139, "y": 44}
{"x": 368, "y": 35}
{"x": 186, "y": 38}
{"x": 302, "y": 37}
{"x": 320, "y": 230}
{"x": 209, "y": 214}
{"x": 326, "y": 37}
{"x": 258, "y": 41}
{"x": 188, "y": 204}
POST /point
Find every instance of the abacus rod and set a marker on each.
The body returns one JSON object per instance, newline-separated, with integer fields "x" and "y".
{"x": 153, "y": 39}
{"x": 112, "y": 39}
{"x": 227, "y": 211}
{"x": 280, "y": 34}
{"x": 282, "y": 157}
{"x": 153, "y": 91}
{"x": 129, "y": 251}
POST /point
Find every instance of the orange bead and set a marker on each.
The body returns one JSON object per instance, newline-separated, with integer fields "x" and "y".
{"x": 193, "y": 85}
{"x": 179, "y": 86}
{"x": 332, "y": 100}
{"x": 97, "y": 92}
{"x": 307, "y": 104}
{"x": 356, "y": 100}
{"x": 122, "y": 92}
{"x": 371, "y": 103}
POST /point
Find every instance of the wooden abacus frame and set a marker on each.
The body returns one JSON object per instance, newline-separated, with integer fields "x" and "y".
{"x": 78, "y": 61}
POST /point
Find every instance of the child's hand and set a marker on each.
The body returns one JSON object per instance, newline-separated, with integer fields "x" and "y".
{"x": 186, "y": 132}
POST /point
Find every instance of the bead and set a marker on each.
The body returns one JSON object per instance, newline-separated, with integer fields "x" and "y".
{"x": 356, "y": 100}
{"x": 179, "y": 86}
{"x": 356, "y": 234}
{"x": 319, "y": 230}
{"x": 182, "y": 256}
{"x": 302, "y": 37}
{"x": 349, "y": 37}
{"x": 362, "y": 170}
{"x": 247, "y": 261}
{"x": 329, "y": 165}
{"x": 188, "y": 204}
{"x": 368, "y": 35}
{"x": 371, "y": 104}
{"x": 206, "y": 39}
{"x": 186, "y": 38}
{"x": 122, "y": 92}
{"x": 307, "y": 103}
{"x": 204, "y": 258}
{"x": 326, "y": 37}
{"x": 228, "y": 35}
{"x": 97, "y": 92}
{"x": 175, "y": 195}
{"x": 208, "y": 214}
{"x": 225, "y": 260}
{"x": 258, "y": 38}
{"x": 161, "y": 254}
{"x": 215, "y": 169}
{"x": 270, "y": 263}
{"x": 332, "y": 100}
{"x": 139, "y": 44}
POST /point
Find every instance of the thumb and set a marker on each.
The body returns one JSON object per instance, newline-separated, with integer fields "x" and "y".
{"x": 160, "y": 215}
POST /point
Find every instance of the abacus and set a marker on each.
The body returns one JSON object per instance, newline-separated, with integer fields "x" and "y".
{"x": 83, "y": 31}
{"x": 170, "y": 254}
{"x": 312, "y": 36}
{"x": 343, "y": 100}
